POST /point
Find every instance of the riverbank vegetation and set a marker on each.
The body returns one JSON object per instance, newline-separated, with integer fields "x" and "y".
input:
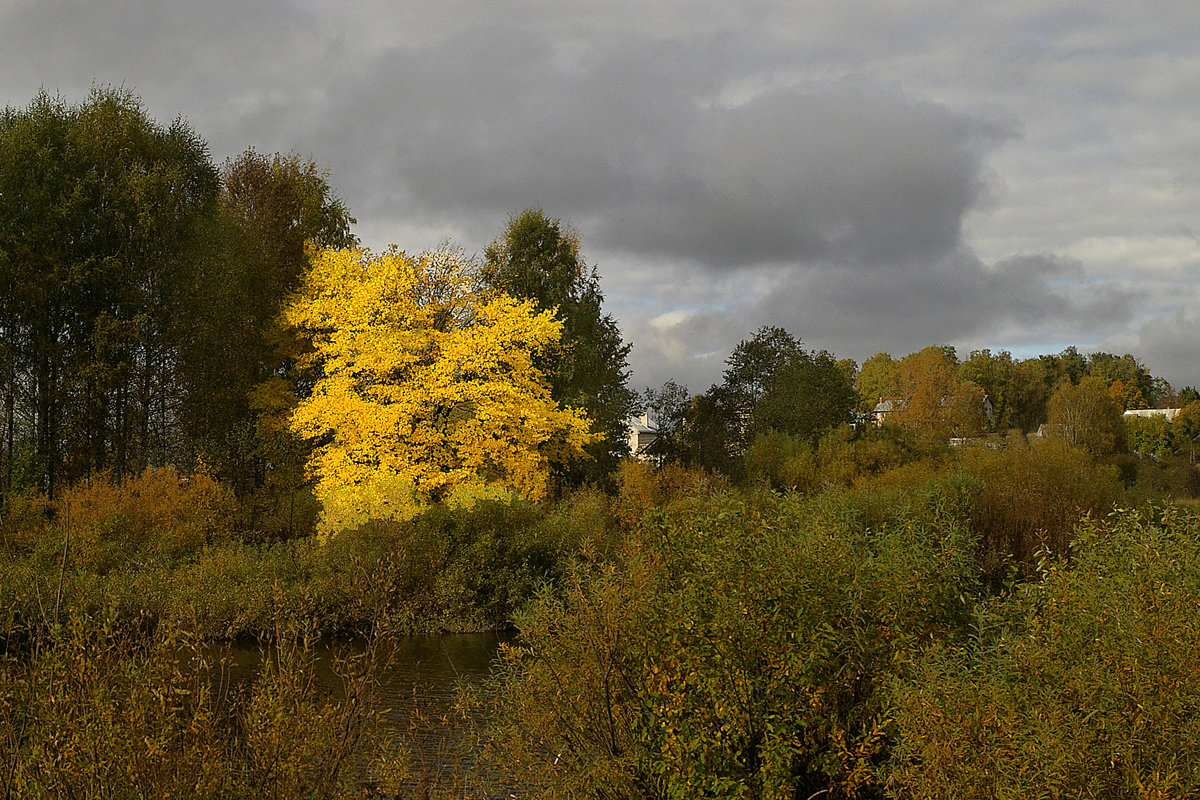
{"x": 224, "y": 424}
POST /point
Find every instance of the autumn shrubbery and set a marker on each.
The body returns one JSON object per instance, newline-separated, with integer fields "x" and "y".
{"x": 843, "y": 457}
{"x": 738, "y": 650}
{"x": 1081, "y": 683}
{"x": 163, "y": 547}
{"x": 1031, "y": 497}
{"x": 98, "y": 711}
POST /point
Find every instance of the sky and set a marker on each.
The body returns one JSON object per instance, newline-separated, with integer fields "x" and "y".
{"x": 871, "y": 176}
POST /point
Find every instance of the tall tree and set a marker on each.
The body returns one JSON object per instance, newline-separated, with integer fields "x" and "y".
{"x": 876, "y": 381}
{"x": 666, "y": 407}
{"x": 100, "y": 213}
{"x": 272, "y": 209}
{"x": 538, "y": 258}
{"x": 931, "y": 400}
{"x": 809, "y": 395}
{"x": 993, "y": 372}
{"x": 427, "y": 386}
{"x": 750, "y": 371}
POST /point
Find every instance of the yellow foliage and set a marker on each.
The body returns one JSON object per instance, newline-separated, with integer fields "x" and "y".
{"x": 427, "y": 389}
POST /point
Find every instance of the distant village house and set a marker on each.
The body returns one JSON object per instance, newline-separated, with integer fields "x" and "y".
{"x": 642, "y": 434}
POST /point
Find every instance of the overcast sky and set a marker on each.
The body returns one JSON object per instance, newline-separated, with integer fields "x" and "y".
{"x": 872, "y": 176}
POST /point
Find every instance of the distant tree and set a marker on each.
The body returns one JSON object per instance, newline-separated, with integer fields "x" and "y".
{"x": 876, "y": 381}
{"x": 537, "y": 258}
{"x": 994, "y": 373}
{"x": 1133, "y": 381}
{"x": 708, "y": 437}
{"x": 1070, "y": 365}
{"x": 1185, "y": 431}
{"x": 1034, "y": 381}
{"x": 1086, "y": 416}
{"x": 930, "y": 398}
{"x": 666, "y": 406}
{"x": 1187, "y": 396}
{"x": 809, "y": 395}
{"x": 750, "y": 373}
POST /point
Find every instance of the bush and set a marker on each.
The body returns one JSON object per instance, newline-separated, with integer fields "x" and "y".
{"x": 783, "y": 462}
{"x": 97, "y": 712}
{"x": 158, "y": 515}
{"x": 643, "y": 487}
{"x": 1085, "y": 683}
{"x": 736, "y": 652}
{"x": 1032, "y": 498}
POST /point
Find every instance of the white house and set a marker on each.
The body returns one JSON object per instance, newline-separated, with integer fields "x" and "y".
{"x": 641, "y": 435}
{"x": 1169, "y": 413}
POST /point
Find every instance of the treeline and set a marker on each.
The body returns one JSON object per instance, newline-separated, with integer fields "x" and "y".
{"x": 142, "y": 291}
{"x": 138, "y": 282}
{"x": 779, "y": 406}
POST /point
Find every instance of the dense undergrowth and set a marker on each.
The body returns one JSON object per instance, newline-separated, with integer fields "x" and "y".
{"x": 982, "y": 623}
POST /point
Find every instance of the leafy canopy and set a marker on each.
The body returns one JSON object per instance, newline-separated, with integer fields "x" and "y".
{"x": 538, "y": 258}
{"x": 428, "y": 388}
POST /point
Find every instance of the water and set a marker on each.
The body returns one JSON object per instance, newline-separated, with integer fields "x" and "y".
{"x": 416, "y": 688}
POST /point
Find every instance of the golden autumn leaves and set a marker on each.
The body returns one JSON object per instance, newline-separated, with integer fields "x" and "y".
{"x": 425, "y": 387}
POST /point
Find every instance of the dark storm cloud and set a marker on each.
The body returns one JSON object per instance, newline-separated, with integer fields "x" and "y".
{"x": 871, "y": 176}
{"x": 1167, "y": 345}
{"x": 633, "y": 147}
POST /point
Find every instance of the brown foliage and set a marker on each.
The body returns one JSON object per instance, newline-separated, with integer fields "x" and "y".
{"x": 159, "y": 514}
{"x": 1031, "y": 498}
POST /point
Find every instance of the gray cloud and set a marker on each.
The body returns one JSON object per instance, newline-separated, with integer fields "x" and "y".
{"x": 873, "y": 176}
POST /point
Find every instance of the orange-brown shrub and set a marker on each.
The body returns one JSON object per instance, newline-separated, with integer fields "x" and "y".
{"x": 158, "y": 515}
{"x": 1032, "y": 498}
{"x": 642, "y": 486}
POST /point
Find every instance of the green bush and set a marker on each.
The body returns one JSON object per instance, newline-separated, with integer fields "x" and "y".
{"x": 1085, "y": 683}
{"x": 737, "y": 651}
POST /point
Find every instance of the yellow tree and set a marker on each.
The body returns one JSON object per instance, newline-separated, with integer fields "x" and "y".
{"x": 427, "y": 389}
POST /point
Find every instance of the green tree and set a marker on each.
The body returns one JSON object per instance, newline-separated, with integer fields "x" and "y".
{"x": 1033, "y": 384}
{"x": 750, "y": 372}
{"x": 538, "y": 258}
{"x": 100, "y": 214}
{"x": 809, "y": 395}
{"x": 708, "y": 436}
{"x": 272, "y": 208}
{"x": 994, "y": 374}
{"x": 666, "y": 406}
{"x": 876, "y": 381}
{"x": 1136, "y": 388}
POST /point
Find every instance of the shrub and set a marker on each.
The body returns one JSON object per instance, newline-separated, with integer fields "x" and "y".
{"x": 735, "y": 653}
{"x": 158, "y": 515}
{"x": 97, "y": 712}
{"x": 643, "y": 487}
{"x": 1032, "y": 498}
{"x": 782, "y": 462}
{"x": 1082, "y": 684}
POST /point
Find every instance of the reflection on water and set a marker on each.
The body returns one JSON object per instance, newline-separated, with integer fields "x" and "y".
{"x": 416, "y": 682}
{"x": 431, "y": 666}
